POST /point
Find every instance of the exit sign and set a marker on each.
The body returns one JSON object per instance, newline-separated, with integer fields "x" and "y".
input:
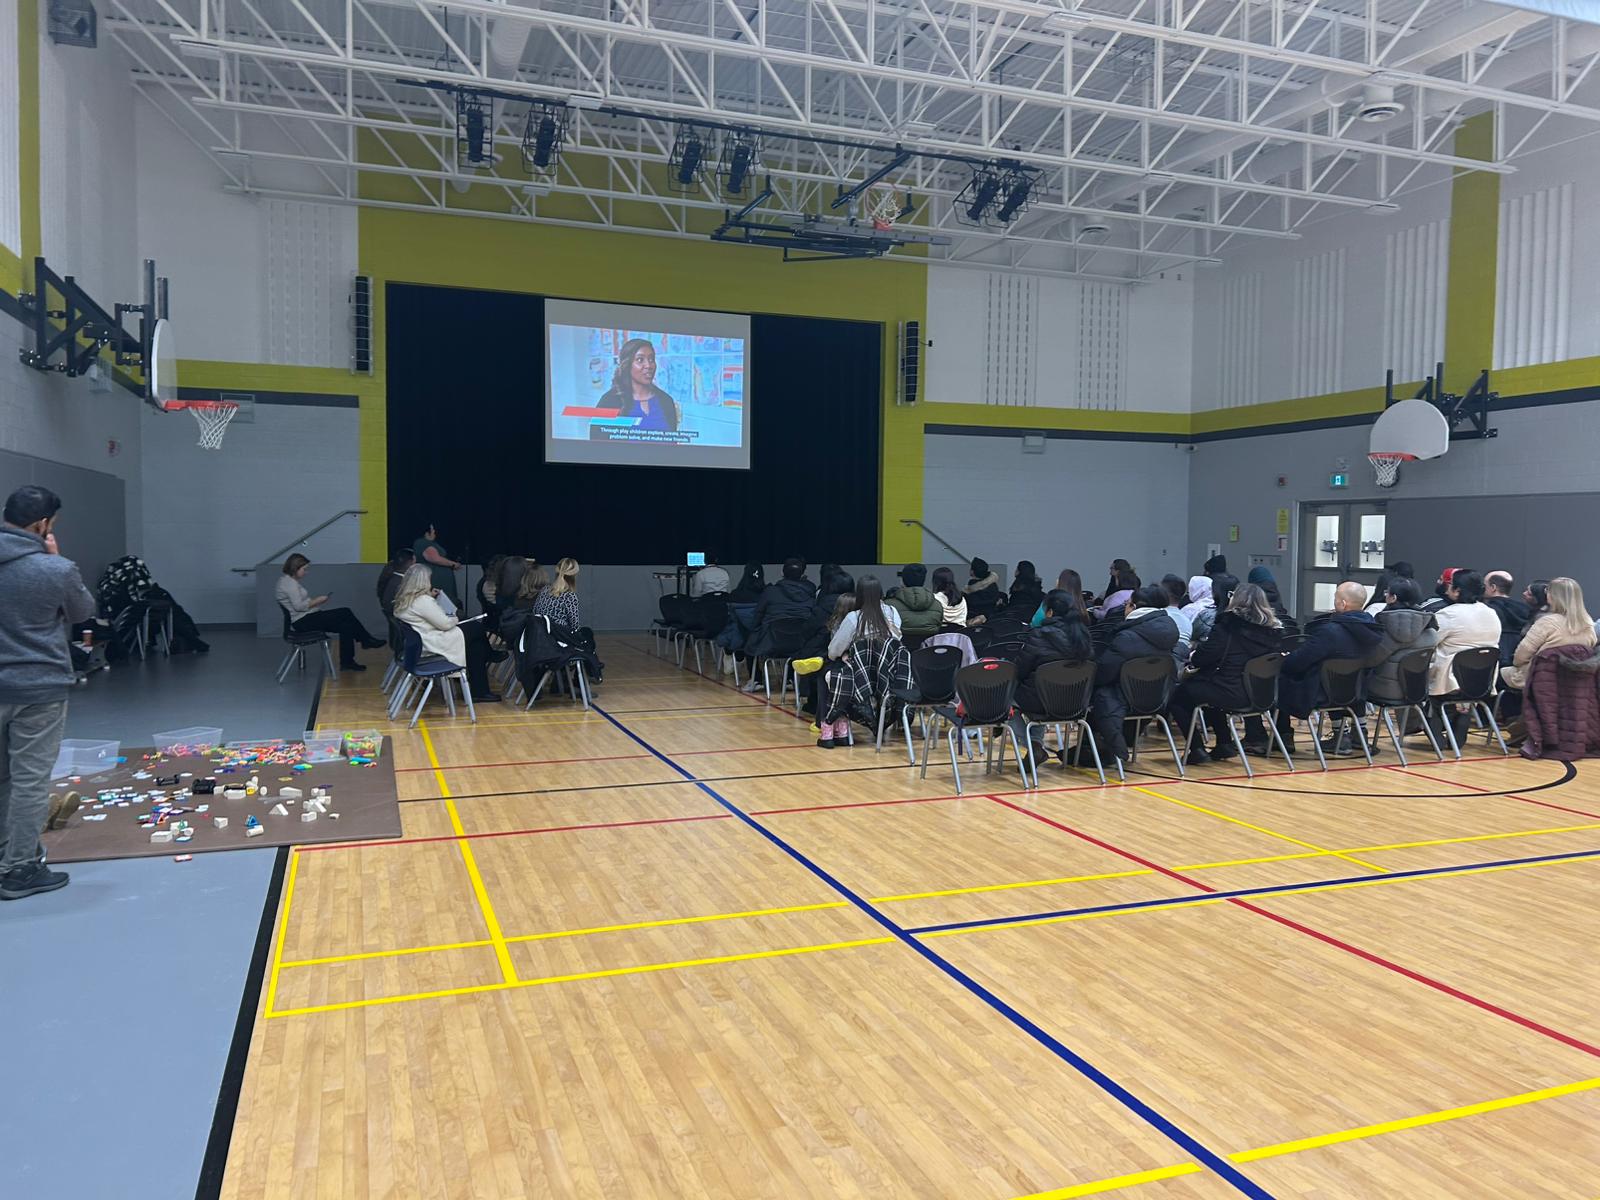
{"x": 1338, "y": 480}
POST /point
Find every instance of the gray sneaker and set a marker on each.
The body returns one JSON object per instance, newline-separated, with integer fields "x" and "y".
{"x": 21, "y": 882}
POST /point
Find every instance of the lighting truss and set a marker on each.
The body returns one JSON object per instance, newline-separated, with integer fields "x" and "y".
{"x": 544, "y": 134}
{"x": 977, "y": 200}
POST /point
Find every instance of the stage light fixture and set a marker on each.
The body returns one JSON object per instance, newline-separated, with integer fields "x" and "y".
{"x": 1020, "y": 186}
{"x": 973, "y": 201}
{"x": 741, "y": 154}
{"x": 687, "y": 158}
{"x": 474, "y": 129}
{"x": 544, "y": 134}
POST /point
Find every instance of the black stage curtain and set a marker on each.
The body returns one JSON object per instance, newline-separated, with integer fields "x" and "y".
{"x": 466, "y": 445}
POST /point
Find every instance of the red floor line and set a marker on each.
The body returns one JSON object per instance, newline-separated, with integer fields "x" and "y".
{"x": 1525, "y": 799}
{"x": 501, "y": 833}
{"x": 1366, "y": 955}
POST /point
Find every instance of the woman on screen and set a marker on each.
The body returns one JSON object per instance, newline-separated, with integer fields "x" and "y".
{"x": 634, "y": 392}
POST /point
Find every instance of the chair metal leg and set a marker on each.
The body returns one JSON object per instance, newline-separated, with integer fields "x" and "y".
{"x": 1394, "y": 736}
{"x": 1428, "y": 729}
{"x": 1272, "y": 728}
{"x": 539, "y": 687}
{"x": 327, "y": 657}
{"x": 883, "y": 716}
{"x": 1085, "y": 733}
{"x": 1017, "y": 750}
{"x": 466, "y": 695}
{"x": 927, "y": 747}
{"x": 1172, "y": 745}
{"x": 699, "y": 667}
{"x": 426, "y": 692}
{"x": 1315, "y": 721}
{"x": 288, "y": 661}
{"x": 1449, "y": 730}
{"x": 766, "y": 677}
{"x": 1494, "y": 727}
{"x": 1361, "y": 735}
{"x": 1238, "y": 747}
{"x": 449, "y": 695}
{"x": 735, "y": 668}
{"x": 950, "y": 738}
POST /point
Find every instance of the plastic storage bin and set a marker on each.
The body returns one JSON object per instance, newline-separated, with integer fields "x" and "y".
{"x": 196, "y": 739}
{"x": 84, "y": 756}
{"x": 363, "y": 743}
{"x": 325, "y": 746}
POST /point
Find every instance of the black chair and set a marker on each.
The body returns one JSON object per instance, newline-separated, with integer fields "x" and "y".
{"x": 1147, "y": 683}
{"x": 1261, "y": 700}
{"x": 1065, "y": 691}
{"x": 397, "y": 646}
{"x": 786, "y": 637}
{"x": 299, "y": 641}
{"x": 707, "y": 617}
{"x": 984, "y": 694}
{"x": 425, "y": 669}
{"x": 1343, "y": 696}
{"x": 550, "y": 651}
{"x": 933, "y": 683}
{"x": 1476, "y": 671}
{"x": 670, "y": 625}
{"x": 1414, "y": 694}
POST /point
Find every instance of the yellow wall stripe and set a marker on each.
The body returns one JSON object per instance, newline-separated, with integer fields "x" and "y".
{"x": 28, "y": 136}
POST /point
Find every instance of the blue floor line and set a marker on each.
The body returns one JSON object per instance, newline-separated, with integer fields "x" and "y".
{"x": 1309, "y": 885}
{"x": 1080, "y": 1064}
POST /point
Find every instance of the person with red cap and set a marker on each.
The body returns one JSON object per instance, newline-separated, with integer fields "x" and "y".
{"x": 1441, "y": 590}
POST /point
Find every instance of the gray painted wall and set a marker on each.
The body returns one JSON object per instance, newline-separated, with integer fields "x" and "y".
{"x": 1554, "y": 450}
{"x": 92, "y": 528}
{"x": 1079, "y": 504}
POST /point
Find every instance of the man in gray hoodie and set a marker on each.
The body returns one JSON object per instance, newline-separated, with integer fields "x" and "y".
{"x": 41, "y": 596}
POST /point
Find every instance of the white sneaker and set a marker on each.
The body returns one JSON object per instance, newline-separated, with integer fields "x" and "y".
{"x": 727, "y": 664}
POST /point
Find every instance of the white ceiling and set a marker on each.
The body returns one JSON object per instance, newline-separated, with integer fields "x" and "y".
{"x": 1179, "y": 127}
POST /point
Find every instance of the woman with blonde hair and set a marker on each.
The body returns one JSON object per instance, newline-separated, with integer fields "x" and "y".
{"x": 1565, "y": 623}
{"x": 559, "y": 601}
{"x": 465, "y": 645}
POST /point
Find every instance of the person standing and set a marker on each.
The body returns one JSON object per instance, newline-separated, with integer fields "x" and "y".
{"x": 442, "y": 567}
{"x": 41, "y": 596}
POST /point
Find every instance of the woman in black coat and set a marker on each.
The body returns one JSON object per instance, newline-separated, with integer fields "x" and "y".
{"x": 1248, "y": 629}
{"x": 1062, "y": 637}
{"x": 1146, "y": 628}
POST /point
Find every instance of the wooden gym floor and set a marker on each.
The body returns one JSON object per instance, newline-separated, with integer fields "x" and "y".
{"x": 670, "y": 948}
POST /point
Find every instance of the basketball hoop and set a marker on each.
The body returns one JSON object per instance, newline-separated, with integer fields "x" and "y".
{"x": 1386, "y": 466}
{"x": 883, "y": 208}
{"x": 212, "y": 416}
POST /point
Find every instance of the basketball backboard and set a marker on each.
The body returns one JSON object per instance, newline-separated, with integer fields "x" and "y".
{"x": 1413, "y": 428}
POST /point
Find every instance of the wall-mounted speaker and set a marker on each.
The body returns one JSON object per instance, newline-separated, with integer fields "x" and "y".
{"x": 910, "y": 363}
{"x": 361, "y": 325}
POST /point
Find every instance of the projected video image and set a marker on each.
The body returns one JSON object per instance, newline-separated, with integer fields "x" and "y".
{"x": 667, "y": 392}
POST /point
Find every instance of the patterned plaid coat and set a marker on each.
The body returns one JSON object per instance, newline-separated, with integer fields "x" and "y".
{"x": 864, "y": 678}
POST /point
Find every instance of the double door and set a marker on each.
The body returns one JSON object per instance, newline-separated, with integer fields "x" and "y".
{"x": 1338, "y": 542}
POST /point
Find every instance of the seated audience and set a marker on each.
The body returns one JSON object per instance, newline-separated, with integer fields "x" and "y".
{"x": 1512, "y": 610}
{"x": 1201, "y": 609}
{"x": 1561, "y": 700}
{"x": 1177, "y": 594}
{"x": 1068, "y": 581}
{"x": 1246, "y": 629}
{"x": 1565, "y": 623}
{"x": 741, "y": 626}
{"x": 750, "y": 586}
{"x": 1216, "y": 565}
{"x": 489, "y": 585}
{"x": 1061, "y": 637}
{"x": 308, "y": 614}
{"x": 1403, "y": 627}
{"x": 921, "y": 612}
{"x": 1263, "y": 578}
{"x": 467, "y": 645}
{"x": 1121, "y": 570}
{"x": 793, "y": 596}
{"x": 951, "y": 601}
{"x": 709, "y": 579}
{"x": 559, "y": 603}
{"x": 983, "y": 592}
{"x": 1145, "y": 629}
{"x": 1349, "y": 631}
{"x": 1026, "y": 586}
{"x": 389, "y": 578}
{"x": 1537, "y": 597}
{"x": 863, "y": 645}
{"x": 1117, "y": 599}
{"x": 1465, "y": 623}
{"x": 835, "y": 598}
{"x": 514, "y": 616}
{"x": 1441, "y": 590}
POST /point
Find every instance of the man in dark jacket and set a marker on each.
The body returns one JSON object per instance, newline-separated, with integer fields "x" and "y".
{"x": 921, "y": 614}
{"x": 41, "y": 596}
{"x": 1144, "y": 629}
{"x": 1347, "y": 632}
{"x": 1514, "y": 613}
{"x": 792, "y": 596}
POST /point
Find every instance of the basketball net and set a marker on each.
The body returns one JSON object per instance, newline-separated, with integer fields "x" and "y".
{"x": 1386, "y": 466}
{"x": 212, "y": 416}
{"x": 883, "y": 207}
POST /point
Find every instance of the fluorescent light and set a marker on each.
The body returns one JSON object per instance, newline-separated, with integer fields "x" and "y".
{"x": 587, "y": 103}
{"x": 1067, "y": 17}
{"x": 190, "y": 48}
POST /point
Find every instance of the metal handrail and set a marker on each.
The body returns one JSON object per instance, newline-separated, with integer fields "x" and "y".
{"x": 301, "y": 540}
{"x": 960, "y": 557}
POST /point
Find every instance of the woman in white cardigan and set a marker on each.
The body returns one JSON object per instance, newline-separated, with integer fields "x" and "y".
{"x": 463, "y": 644}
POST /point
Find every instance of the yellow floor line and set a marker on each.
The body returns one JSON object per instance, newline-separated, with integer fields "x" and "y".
{"x": 1282, "y": 837}
{"x": 1209, "y": 900}
{"x": 648, "y": 968}
{"x": 283, "y": 933}
{"x": 1313, "y": 1143}
{"x": 330, "y": 959}
{"x": 491, "y": 922}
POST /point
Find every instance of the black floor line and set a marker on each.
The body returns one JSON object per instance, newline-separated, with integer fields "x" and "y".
{"x": 605, "y": 787}
{"x": 215, "y": 1163}
{"x": 1569, "y": 773}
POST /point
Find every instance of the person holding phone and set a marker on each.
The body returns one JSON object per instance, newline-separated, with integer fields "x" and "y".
{"x": 308, "y": 613}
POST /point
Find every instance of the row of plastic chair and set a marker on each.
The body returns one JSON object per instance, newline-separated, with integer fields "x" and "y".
{"x": 411, "y": 669}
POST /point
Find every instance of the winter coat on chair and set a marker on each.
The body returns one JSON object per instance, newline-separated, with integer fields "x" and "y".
{"x": 921, "y": 613}
{"x": 1402, "y": 631}
{"x": 1338, "y": 635}
{"x": 1561, "y": 704}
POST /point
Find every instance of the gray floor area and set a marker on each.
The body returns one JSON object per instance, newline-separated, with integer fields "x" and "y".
{"x": 121, "y": 990}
